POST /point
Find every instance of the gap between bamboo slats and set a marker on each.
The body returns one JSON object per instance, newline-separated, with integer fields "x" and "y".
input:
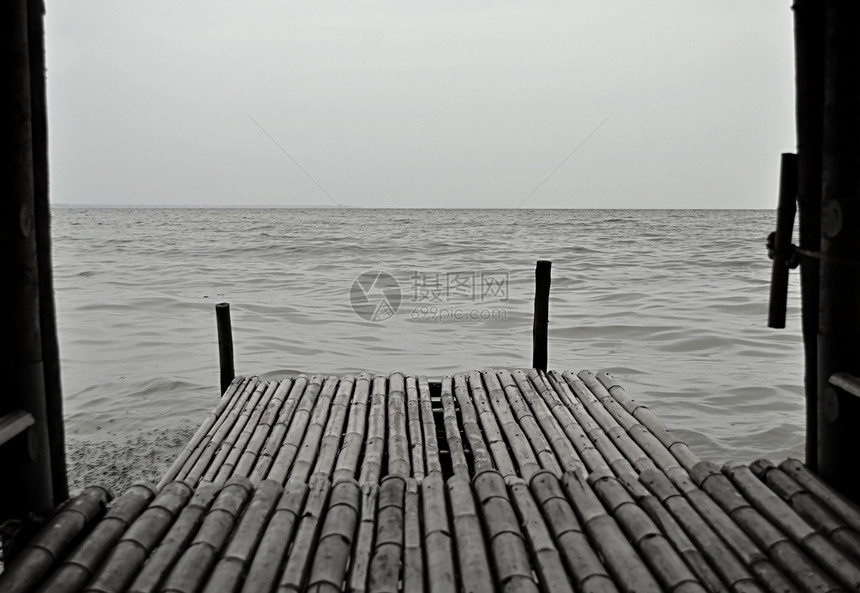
{"x": 49, "y": 546}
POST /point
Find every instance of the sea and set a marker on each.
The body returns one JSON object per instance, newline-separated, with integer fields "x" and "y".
{"x": 673, "y": 303}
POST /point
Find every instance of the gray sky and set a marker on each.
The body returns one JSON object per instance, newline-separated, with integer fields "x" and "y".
{"x": 431, "y": 104}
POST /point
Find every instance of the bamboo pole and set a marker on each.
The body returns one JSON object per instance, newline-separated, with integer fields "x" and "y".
{"x": 230, "y": 395}
{"x": 288, "y": 448}
{"x": 359, "y": 566}
{"x": 387, "y": 559}
{"x": 801, "y": 533}
{"x": 141, "y": 538}
{"x": 565, "y": 453}
{"x": 299, "y": 560}
{"x": 666, "y": 564}
{"x": 436, "y": 538}
{"x": 810, "y": 507}
{"x": 80, "y": 565}
{"x": 225, "y": 345}
{"x": 279, "y": 430}
{"x": 431, "y": 444}
{"x": 472, "y": 555}
{"x": 33, "y": 563}
{"x": 730, "y": 562}
{"x": 481, "y": 458}
{"x": 232, "y": 437}
{"x": 280, "y": 530}
{"x": 347, "y": 459}
{"x": 626, "y": 567}
{"x": 452, "y": 429}
{"x": 306, "y": 454}
{"x": 371, "y": 465}
{"x": 328, "y": 570}
{"x": 582, "y": 562}
{"x": 780, "y": 549}
{"x": 230, "y": 570}
{"x": 413, "y": 561}
{"x": 163, "y": 558}
{"x": 507, "y": 546}
{"x": 528, "y": 424}
{"x": 844, "y": 508}
{"x": 546, "y": 559}
{"x": 782, "y": 249}
{"x": 413, "y": 421}
{"x": 543, "y": 280}
{"x": 494, "y": 428}
{"x": 330, "y": 444}
{"x": 262, "y": 429}
{"x": 398, "y": 441}
{"x": 237, "y": 448}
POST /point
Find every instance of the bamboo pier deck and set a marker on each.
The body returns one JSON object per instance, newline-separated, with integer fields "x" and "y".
{"x": 492, "y": 480}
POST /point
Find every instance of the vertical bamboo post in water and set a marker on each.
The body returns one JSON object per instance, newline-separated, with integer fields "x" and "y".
{"x": 785, "y": 211}
{"x": 541, "y": 318}
{"x": 839, "y": 322}
{"x": 225, "y": 345}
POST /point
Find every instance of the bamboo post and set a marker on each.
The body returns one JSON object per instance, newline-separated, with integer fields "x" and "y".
{"x": 785, "y": 210}
{"x": 809, "y": 65}
{"x": 35, "y": 560}
{"x": 21, "y": 348}
{"x": 541, "y": 316}
{"x": 839, "y": 322}
{"x": 225, "y": 344}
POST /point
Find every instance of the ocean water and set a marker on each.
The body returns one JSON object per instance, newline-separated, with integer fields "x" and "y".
{"x": 673, "y": 303}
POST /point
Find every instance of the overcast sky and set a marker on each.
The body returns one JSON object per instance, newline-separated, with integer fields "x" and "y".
{"x": 420, "y": 104}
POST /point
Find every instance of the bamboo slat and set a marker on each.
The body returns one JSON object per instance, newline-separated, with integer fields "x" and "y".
{"x": 481, "y": 458}
{"x": 386, "y": 563}
{"x": 262, "y": 429}
{"x": 48, "y": 547}
{"x": 80, "y": 565}
{"x": 371, "y": 465}
{"x": 192, "y": 568}
{"x": 330, "y": 445}
{"x": 228, "y": 399}
{"x": 328, "y": 570}
{"x": 472, "y": 557}
{"x": 248, "y": 427}
{"x": 299, "y": 560}
{"x": 545, "y": 557}
{"x": 524, "y": 449}
{"x": 507, "y": 546}
{"x": 789, "y": 522}
{"x": 494, "y": 427}
{"x": 437, "y": 538}
{"x": 657, "y": 551}
{"x": 208, "y": 472}
{"x": 459, "y": 465}
{"x": 398, "y": 441}
{"x": 416, "y": 428}
{"x": 413, "y": 561}
{"x": 141, "y": 538}
{"x": 278, "y": 536}
{"x": 565, "y": 452}
{"x": 279, "y": 431}
{"x": 808, "y": 506}
{"x": 839, "y": 505}
{"x": 583, "y": 564}
{"x": 289, "y": 447}
{"x": 626, "y": 567}
{"x": 346, "y": 467}
{"x": 205, "y": 450}
{"x": 359, "y": 566}
{"x": 162, "y": 560}
{"x": 233, "y": 564}
{"x": 306, "y": 455}
{"x": 527, "y": 422}
{"x": 431, "y": 444}
{"x": 784, "y": 554}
